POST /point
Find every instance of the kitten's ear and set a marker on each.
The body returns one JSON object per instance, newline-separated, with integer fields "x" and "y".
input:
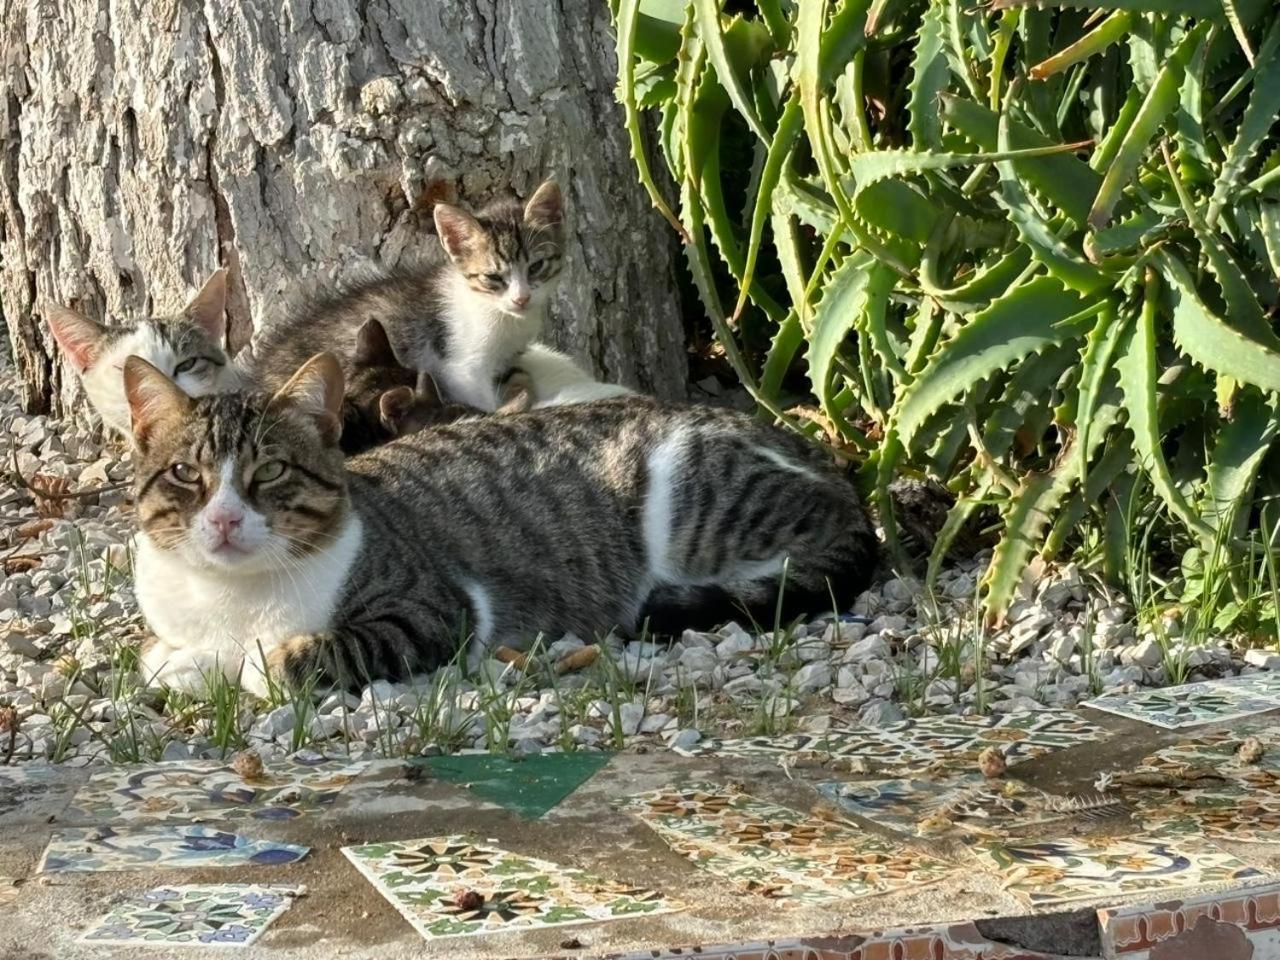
{"x": 426, "y": 389}
{"x": 546, "y": 204}
{"x": 154, "y": 400}
{"x": 208, "y": 309}
{"x": 80, "y": 338}
{"x": 459, "y": 231}
{"x": 393, "y": 407}
{"x": 316, "y": 390}
{"x": 373, "y": 348}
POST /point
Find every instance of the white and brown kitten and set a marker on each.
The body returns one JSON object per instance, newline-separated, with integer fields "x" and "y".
{"x": 263, "y": 552}
{"x": 464, "y": 320}
{"x": 187, "y": 346}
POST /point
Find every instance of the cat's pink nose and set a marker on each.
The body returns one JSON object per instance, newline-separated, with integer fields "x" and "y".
{"x": 225, "y": 520}
{"x": 521, "y": 300}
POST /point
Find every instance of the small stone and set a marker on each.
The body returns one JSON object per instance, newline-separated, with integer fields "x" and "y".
{"x": 629, "y": 717}
{"x": 1265, "y": 659}
{"x": 176, "y": 750}
{"x": 684, "y": 739}
{"x": 274, "y": 724}
{"x": 654, "y": 723}
{"x": 1144, "y": 654}
{"x": 812, "y": 677}
{"x": 1251, "y": 750}
{"x": 248, "y": 764}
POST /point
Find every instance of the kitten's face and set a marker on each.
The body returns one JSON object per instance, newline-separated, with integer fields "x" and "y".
{"x": 509, "y": 256}
{"x": 237, "y": 483}
{"x": 186, "y": 347}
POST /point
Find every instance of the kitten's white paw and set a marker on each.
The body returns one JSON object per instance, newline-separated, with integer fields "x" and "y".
{"x": 163, "y": 666}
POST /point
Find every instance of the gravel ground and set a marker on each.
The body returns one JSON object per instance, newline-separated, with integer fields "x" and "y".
{"x": 69, "y": 625}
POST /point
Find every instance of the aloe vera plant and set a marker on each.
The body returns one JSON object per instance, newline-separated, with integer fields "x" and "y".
{"x": 1031, "y": 248}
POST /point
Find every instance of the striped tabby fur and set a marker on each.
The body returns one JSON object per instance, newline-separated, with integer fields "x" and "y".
{"x": 579, "y": 518}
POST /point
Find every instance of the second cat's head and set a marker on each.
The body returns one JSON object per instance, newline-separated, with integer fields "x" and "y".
{"x": 509, "y": 254}
{"x": 237, "y": 482}
{"x": 187, "y": 346}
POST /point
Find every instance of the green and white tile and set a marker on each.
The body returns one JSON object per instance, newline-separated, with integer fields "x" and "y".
{"x": 453, "y": 887}
{"x": 203, "y": 915}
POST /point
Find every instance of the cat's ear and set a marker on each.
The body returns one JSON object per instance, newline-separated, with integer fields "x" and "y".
{"x": 546, "y": 205}
{"x": 459, "y": 231}
{"x": 154, "y": 400}
{"x": 316, "y": 390}
{"x": 80, "y": 338}
{"x": 373, "y": 348}
{"x": 208, "y": 309}
{"x": 394, "y": 407}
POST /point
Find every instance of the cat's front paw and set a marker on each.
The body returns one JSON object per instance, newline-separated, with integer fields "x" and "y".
{"x": 160, "y": 665}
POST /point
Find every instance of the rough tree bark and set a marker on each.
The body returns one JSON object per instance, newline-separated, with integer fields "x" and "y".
{"x": 145, "y": 142}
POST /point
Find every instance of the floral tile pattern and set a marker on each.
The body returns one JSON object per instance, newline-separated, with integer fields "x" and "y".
{"x": 922, "y": 806}
{"x": 1078, "y": 868}
{"x": 91, "y": 849}
{"x": 776, "y": 852}
{"x": 1189, "y": 705}
{"x": 922, "y": 741}
{"x": 1243, "y": 806}
{"x": 208, "y": 790}
{"x": 219, "y": 915}
{"x": 451, "y": 887}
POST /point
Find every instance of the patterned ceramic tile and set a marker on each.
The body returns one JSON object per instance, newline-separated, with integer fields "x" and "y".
{"x": 1216, "y": 751}
{"x": 924, "y": 806}
{"x": 771, "y": 850}
{"x": 208, "y": 790}
{"x": 530, "y": 786}
{"x": 221, "y": 915}
{"x": 1078, "y": 868}
{"x": 1195, "y": 925}
{"x": 1264, "y": 684}
{"x": 922, "y": 741}
{"x": 91, "y": 849}
{"x": 451, "y": 887}
{"x": 33, "y": 792}
{"x": 1189, "y": 705}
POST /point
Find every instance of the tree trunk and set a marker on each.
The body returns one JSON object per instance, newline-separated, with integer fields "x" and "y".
{"x": 145, "y": 142}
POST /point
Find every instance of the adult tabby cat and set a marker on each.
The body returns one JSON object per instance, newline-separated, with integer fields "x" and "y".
{"x": 262, "y": 551}
{"x": 463, "y": 320}
{"x": 187, "y": 346}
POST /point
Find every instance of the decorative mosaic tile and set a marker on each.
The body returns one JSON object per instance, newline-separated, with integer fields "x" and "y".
{"x": 1264, "y": 684}
{"x": 1189, "y": 705}
{"x": 1078, "y": 868}
{"x": 33, "y": 792}
{"x": 208, "y": 790}
{"x": 91, "y": 849}
{"x": 217, "y": 915}
{"x": 451, "y": 887}
{"x": 954, "y": 941}
{"x": 969, "y": 803}
{"x": 771, "y": 850}
{"x": 922, "y": 741}
{"x": 530, "y": 786}
{"x": 1195, "y": 925}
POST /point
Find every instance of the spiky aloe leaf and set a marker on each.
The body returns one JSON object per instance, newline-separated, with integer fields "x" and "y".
{"x": 1259, "y": 117}
{"x": 1096, "y": 366}
{"x": 783, "y": 142}
{"x": 1037, "y": 234}
{"x": 1031, "y": 509}
{"x": 1025, "y": 394}
{"x": 1233, "y": 465}
{"x": 1210, "y": 340}
{"x": 1200, "y": 9}
{"x": 1159, "y": 103}
{"x": 855, "y": 284}
{"x": 929, "y": 76}
{"x": 1113, "y": 28}
{"x": 1138, "y": 380}
{"x": 731, "y": 65}
{"x": 1024, "y": 321}
{"x": 628, "y": 13}
{"x": 988, "y": 282}
{"x": 1066, "y": 181}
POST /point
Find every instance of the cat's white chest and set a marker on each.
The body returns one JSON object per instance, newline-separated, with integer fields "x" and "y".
{"x": 207, "y": 620}
{"x": 483, "y": 343}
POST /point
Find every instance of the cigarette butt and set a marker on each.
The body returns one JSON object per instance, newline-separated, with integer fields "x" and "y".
{"x": 578, "y": 660}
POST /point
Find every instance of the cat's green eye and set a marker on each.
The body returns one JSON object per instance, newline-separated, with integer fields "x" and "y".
{"x": 191, "y": 365}
{"x": 184, "y": 473}
{"x": 271, "y": 470}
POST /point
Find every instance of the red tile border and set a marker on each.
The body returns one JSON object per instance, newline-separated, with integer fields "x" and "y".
{"x": 1136, "y": 929}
